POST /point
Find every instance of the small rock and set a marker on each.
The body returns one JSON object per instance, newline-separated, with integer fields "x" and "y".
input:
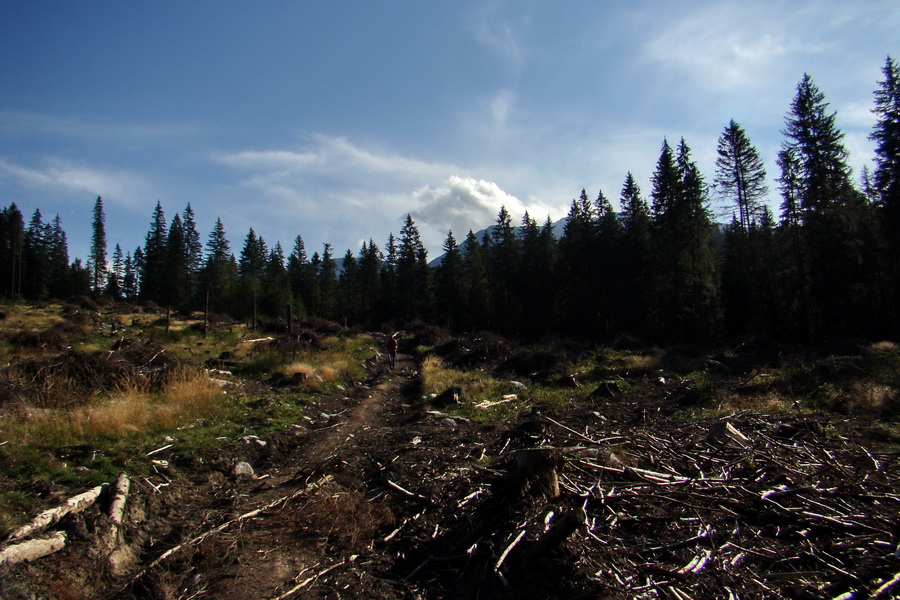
{"x": 243, "y": 470}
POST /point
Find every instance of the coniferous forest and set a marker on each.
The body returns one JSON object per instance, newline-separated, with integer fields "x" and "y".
{"x": 660, "y": 268}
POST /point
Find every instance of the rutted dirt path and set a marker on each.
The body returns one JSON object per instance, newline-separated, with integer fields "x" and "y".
{"x": 323, "y": 507}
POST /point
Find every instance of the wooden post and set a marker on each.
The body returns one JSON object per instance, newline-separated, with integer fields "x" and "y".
{"x": 206, "y": 315}
{"x": 168, "y": 318}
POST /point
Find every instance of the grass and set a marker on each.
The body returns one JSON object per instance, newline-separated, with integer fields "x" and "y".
{"x": 484, "y": 394}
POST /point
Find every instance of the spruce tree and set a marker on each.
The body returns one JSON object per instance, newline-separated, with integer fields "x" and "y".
{"x": 276, "y": 286}
{"x": 413, "y": 275}
{"x": 251, "y": 264}
{"x": 58, "y": 256}
{"x": 833, "y": 215}
{"x": 193, "y": 252}
{"x": 370, "y": 260}
{"x": 817, "y": 146}
{"x": 449, "y": 297}
{"x": 97, "y": 259}
{"x": 578, "y": 268}
{"x": 476, "y": 284}
{"x": 635, "y": 256}
{"x": 153, "y": 258}
{"x": 886, "y": 181}
{"x": 327, "y": 284}
{"x": 886, "y": 135}
{"x": 740, "y": 174}
{"x": 684, "y": 287}
{"x": 129, "y": 279}
{"x": 302, "y": 276}
{"x": 504, "y": 274}
{"x": 219, "y": 274}
{"x": 36, "y": 271}
{"x": 115, "y": 283}
{"x": 176, "y": 286}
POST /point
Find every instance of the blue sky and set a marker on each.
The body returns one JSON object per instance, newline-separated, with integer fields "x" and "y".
{"x": 333, "y": 120}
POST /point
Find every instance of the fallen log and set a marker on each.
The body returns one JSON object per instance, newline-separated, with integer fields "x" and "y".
{"x": 32, "y": 549}
{"x": 112, "y": 537}
{"x": 51, "y": 517}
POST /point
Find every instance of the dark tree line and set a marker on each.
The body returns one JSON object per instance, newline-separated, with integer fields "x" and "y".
{"x": 659, "y": 268}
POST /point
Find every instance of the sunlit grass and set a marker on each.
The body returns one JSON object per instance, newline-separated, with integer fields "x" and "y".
{"x": 129, "y": 411}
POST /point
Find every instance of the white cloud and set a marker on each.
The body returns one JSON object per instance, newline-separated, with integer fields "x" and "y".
{"x": 118, "y": 185}
{"x": 463, "y": 203}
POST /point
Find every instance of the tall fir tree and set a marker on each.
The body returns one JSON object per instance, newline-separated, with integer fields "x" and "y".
{"x": 886, "y": 181}
{"x": 741, "y": 175}
{"x": 684, "y": 297}
{"x": 327, "y": 284}
{"x": 153, "y": 257}
{"x": 218, "y": 277}
{"x": 276, "y": 285}
{"x": 635, "y": 257}
{"x": 193, "y": 252}
{"x": 36, "y": 271}
{"x": 503, "y": 263}
{"x": 176, "y": 286}
{"x": 58, "y": 256}
{"x": 97, "y": 259}
{"x": 115, "y": 281}
{"x": 370, "y": 260}
{"x": 413, "y": 275}
{"x": 449, "y": 290}
{"x": 833, "y": 215}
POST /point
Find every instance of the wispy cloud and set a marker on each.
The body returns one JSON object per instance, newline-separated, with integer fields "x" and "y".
{"x": 15, "y": 124}
{"x": 500, "y": 32}
{"x": 121, "y": 186}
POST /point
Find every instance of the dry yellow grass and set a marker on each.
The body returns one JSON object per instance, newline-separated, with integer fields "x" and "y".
{"x": 189, "y": 395}
{"x": 436, "y": 378}
{"x": 318, "y": 368}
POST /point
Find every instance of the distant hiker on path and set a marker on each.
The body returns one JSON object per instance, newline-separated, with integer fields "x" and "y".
{"x": 392, "y": 350}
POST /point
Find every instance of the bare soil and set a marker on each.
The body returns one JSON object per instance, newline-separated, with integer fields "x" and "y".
{"x": 382, "y": 495}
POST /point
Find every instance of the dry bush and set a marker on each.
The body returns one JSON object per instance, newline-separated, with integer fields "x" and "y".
{"x": 347, "y": 515}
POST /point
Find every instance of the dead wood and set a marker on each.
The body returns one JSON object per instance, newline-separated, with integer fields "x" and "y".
{"x": 558, "y": 532}
{"x": 32, "y": 549}
{"x": 535, "y": 468}
{"x": 112, "y": 536}
{"x": 50, "y": 517}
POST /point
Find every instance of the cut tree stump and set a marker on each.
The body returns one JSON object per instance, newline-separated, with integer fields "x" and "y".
{"x": 561, "y": 529}
{"x": 535, "y": 468}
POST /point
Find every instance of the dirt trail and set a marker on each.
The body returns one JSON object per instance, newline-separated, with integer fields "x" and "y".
{"x": 320, "y": 474}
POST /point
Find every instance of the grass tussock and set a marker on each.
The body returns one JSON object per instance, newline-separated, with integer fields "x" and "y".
{"x": 476, "y": 384}
{"x": 131, "y": 409}
{"x": 342, "y": 361}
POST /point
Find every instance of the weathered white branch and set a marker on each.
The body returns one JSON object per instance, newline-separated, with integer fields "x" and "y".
{"x": 52, "y": 516}
{"x": 32, "y": 549}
